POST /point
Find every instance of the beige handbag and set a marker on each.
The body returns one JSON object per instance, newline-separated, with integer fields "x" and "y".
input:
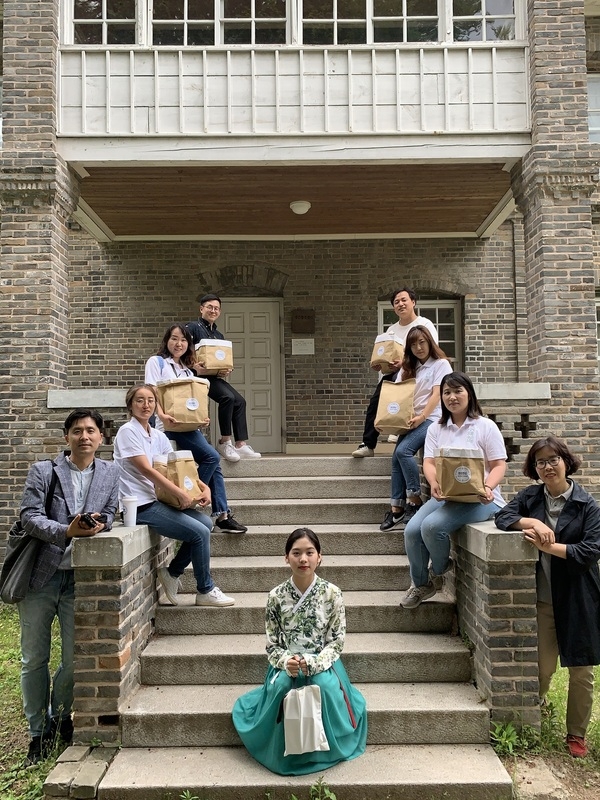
{"x": 185, "y": 399}
{"x": 461, "y": 474}
{"x": 387, "y": 348}
{"x": 214, "y": 355}
{"x": 395, "y": 406}
{"x": 181, "y": 469}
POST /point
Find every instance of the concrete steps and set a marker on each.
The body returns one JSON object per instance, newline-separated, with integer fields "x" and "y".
{"x": 384, "y": 772}
{"x": 399, "y": 713}
{"x": 379, "y": 657}
{"x": 428, "y": 731}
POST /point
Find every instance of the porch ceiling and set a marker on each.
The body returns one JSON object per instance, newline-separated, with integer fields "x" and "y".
{"x": 253, "y": 201}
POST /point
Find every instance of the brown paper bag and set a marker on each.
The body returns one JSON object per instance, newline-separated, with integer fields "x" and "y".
{"x": 387, "y": 348}
{"x": 214, "y": 355}
{"x": 395, "y": 406}
{"x": 460, "y": 474}
{"x": 186, "y": 399}
{"x": 181, "y": 469}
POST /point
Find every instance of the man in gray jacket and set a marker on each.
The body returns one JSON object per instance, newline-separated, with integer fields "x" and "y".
{"x": 85, "y": 489}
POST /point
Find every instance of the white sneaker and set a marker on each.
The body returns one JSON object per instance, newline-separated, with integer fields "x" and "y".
{"x": 228, "y": 451}
{"x": 392, "y": 438}
{"x": 245, "y": 451}
{"x": 214, "y": 598}
{"x": 170, "y": 584}
{"x": 362, "y": 451}
{"x": 416, "y": 594}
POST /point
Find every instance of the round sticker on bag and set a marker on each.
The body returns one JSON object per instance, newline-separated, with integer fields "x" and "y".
{"x": 393, "y": 408}
{"x": 192, "y": 404}
{"x": 188, "y": 483}
{"x": 220, "y": 355}
{"x": 462, "y": 474}
{"x": 380, "y": 350}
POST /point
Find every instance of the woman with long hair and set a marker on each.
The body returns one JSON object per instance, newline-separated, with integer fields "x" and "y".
{"x": 562, "y": 520}
{"x": 427, "y": 364}
{"x": 174, "y": 360}
{"x": 427, "y": 534}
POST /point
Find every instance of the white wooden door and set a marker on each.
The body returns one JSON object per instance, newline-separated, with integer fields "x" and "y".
{"x": 252, "y": 324}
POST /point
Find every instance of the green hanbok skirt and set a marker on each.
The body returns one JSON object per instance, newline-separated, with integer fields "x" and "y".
{"x": 258, "y": 719}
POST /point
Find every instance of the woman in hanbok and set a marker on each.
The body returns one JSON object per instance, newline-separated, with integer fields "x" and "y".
{"x": 306, "y": 627}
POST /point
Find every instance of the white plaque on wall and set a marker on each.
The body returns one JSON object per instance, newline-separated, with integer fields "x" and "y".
{"x": 303, "y": 347}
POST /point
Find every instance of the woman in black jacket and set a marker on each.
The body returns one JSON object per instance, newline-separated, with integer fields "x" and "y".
{"x": 562, "y": 520}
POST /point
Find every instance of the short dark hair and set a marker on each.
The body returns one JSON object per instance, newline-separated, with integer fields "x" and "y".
{"x": 572, "y": 462}
{"x": 300, "y": 533}
{"x": 188, "y": 357}
{"x": 410, "y": 292}
{"x": 82, "y": 413}
{"x": 208, "y": 297}
{"x": 454, "y": 380}
{"x": 131, "y": 394}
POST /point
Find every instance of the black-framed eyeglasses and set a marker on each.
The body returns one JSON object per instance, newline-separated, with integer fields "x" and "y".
{"x": 553, "y": 461}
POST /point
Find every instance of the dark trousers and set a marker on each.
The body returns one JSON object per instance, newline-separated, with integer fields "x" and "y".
{"x": 232, "y": 409}
{"x": 370, "y": 435}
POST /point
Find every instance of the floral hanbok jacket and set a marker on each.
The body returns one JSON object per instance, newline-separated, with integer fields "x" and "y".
{"x": 312, "y": 624}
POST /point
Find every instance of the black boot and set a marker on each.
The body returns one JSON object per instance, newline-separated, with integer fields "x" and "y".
{"x": 34, "y": 754}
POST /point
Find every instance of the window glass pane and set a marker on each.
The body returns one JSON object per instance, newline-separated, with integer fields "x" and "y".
{"x": 270, "y": 33}
{"x": 594, "y": 120}
{"x": 351, "y": 34}
{"x": 168, "y": 9}
{"x": 445, "y": 332}
{"x": 500, "y": 7}
{"x": 201, "y": 9}
{"x": 201, "y": 36}
{"x": 421, "y": 8}
{"x": 237, "y": 33}
{"x": 120, "y": 9}
{"x": 467, "y": 31}
{"x": 446, "y": 315}
{"x": 88, "y": 34}
{"x": 318, "y": 9}
{"x": 318, "y": 34}
{"x": 387, "y": 32}
{"x": 501, "y": 30}
{"x": 351, "y": 9}
{"x": 387, "y": 8}
{"x": 421, "y": 31}
{"x": 466, "y": 8}
{"x": 87, "y": 9}
{"x": 269, "y": 9}
{"x": 167, "y": 34}
{"x": 120, "y": 34}
{"x": 449, "y": 348}
{"x": 234, "y": 9}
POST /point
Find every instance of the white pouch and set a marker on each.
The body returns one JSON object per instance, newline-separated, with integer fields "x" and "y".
{"x": 302, "y": 721}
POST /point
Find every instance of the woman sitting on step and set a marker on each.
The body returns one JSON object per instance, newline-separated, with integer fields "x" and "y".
{"x": 427, "y": 364}
{"x": 427, "y": 534}
{"x": 562, "y": 520}
{"x": 306, "y": 627}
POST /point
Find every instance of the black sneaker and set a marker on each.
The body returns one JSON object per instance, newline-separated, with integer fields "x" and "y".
{"x": 34, "y": 754}
{"x": 409, "y": 512}
{"x": 392, "y": 518}
{"x": 230, "y": 525}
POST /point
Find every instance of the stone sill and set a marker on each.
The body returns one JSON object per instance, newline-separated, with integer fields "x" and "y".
{"x": 113, "y": 549}
{"x": 485, "y": 541}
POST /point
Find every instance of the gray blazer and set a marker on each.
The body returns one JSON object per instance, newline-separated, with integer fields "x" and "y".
{"x": 102, "y": 498}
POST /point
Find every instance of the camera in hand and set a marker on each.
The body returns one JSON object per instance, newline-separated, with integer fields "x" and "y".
{"x": 90, "y": 522}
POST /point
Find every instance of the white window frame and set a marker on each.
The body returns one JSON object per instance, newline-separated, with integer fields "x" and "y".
{"x": 483, "y": 17}
{"x": 455, "y": 304}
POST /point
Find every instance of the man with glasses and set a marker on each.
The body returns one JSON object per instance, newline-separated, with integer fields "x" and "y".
{"x": 231, "y": 404}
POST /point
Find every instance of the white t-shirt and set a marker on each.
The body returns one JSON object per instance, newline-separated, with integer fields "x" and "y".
{"x": 133, "y": 440}
{"x": 428, "y": 375}
{"x": 168, "y": 370}
{"x": 401, "y": 331}
{"x": 480, "y": 432}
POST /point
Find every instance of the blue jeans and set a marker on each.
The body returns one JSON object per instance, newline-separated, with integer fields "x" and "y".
{"x": 427, "y": 534}
{"x": 192, "y": 529}
{"x": 44, "y": 699}
{"x": 209, "y": 466}
{"x": 405, "y": 472}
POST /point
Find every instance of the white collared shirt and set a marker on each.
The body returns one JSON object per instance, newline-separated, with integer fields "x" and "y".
{"x": 428, "y": 375}
{"x": 132, "y": 439}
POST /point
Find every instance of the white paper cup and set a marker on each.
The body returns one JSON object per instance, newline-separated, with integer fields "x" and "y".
{"x": 129, "y": 511}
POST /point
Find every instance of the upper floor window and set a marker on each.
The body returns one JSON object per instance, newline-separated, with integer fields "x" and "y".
{"x": 104, "y": 21}
{"x": 206, "y": 23}
{"x": 483, "y": 20}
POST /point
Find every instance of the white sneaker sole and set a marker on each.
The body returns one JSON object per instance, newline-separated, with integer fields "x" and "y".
{"x": 204, "y": 600}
